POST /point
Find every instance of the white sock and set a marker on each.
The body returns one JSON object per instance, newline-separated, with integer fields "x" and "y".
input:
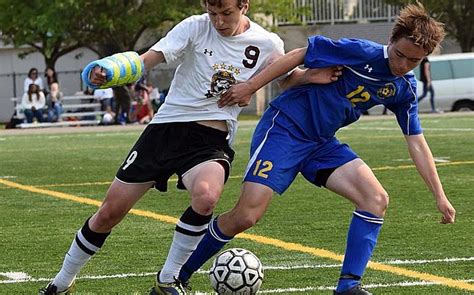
{"x": 181, "y": 248}
{"x": 74, "y": 260}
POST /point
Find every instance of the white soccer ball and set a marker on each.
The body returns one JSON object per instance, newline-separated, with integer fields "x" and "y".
{"x": 236, "y": 271}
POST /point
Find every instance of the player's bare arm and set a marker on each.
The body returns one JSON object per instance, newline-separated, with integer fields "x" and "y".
{"x": 311, "y": 76}
{"x": 424, "y": 162}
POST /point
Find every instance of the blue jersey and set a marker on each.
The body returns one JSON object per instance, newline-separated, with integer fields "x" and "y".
{"x": 320, "y": 110}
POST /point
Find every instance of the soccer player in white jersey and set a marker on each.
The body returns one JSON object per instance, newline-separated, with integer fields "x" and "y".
{"x": 189, "y": 136}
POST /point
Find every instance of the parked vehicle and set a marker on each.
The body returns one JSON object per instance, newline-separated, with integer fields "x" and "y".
{"x": 453, "y": 82}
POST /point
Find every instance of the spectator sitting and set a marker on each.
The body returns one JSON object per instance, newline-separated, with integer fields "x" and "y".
{"x": 33, "y": 78}
{"x": 33, "y": 103}
{"x": 109, "y": 117}
{"x": 153, "y": 95}
{"x": 54, "y": 102}
{"x": 143, "y": 111}
{"x": 51, "y": 77}
{"x": 106, "y": 98}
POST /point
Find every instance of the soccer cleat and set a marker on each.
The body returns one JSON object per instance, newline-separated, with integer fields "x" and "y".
{"x": 51, "y": 289}
{"x": 357, "y": 290}
{"x": 175, "y": 288}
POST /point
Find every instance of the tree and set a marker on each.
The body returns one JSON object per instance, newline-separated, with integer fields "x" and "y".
{"x": 45, "y": 26}
{"x": 457, "y": 15}
{"x": 116, "y": 26}
{"x": 57, "y": 27}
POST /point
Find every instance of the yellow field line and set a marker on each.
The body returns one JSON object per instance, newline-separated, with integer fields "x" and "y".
{"x": 260, "y": 239}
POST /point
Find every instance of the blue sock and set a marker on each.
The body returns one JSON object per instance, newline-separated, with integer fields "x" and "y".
{"x": 361, "y": 240}
{"x": 211, "y": 243}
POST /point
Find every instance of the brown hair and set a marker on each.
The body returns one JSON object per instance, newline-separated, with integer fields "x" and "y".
{"x": 218, "y": 3}
{"x": 33, "y": 89}
{"x": 415, "y": 24}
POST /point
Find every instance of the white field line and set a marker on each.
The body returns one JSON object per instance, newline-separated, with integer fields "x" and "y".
{"x": 20, "y": 277}
{"x": 368, "y": 286}
{"x": 397, "y": 128}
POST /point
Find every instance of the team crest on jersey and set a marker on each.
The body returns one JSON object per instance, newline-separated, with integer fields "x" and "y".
{"x": 222, "y": 79}
{"x": 388, "y": 90}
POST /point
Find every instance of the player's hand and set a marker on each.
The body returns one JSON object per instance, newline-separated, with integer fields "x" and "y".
{"x": 97, "y": 76}
{"x": 323, "y": 75}
{"x": 237, "y": 94}
{"x": 448, "y": 211}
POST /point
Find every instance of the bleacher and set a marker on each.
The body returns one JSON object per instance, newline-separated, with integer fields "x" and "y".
{"x": 78, "y": 110}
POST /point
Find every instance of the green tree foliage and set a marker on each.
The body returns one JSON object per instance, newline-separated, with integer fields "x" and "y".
{"x": 57, "y": 27}
{"x": 457, "y": 15}
{"x": 45, "y": 26}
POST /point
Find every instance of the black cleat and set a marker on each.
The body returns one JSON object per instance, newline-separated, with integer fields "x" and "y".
{"x": 357, "y": 290}
{"x": 175, "y": 288}
{"x": 51, "y": 289}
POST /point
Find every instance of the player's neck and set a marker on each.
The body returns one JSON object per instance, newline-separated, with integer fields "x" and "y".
{"x": 244, "y": 26}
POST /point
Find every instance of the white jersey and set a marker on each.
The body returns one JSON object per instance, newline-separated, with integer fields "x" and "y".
{"x": 210, "y": 64}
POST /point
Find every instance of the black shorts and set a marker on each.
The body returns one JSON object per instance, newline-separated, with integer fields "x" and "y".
{"x": 174, "y": 148}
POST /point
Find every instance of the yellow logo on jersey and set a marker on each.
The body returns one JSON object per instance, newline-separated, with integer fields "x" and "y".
{"x": 388, "y": 90}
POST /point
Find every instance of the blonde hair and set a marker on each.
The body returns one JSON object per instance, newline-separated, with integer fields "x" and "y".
{"x": 415, "y": 24}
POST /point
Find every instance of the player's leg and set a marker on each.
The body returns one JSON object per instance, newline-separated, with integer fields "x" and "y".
{"x": 203, "y": 168}
{"x": 356, "y": 182}
{"x": 205, "y": 183}
{"x": 250, "y": 208}
{"x": 119, "y": 199}
{"x": 274, "y": 163}
{"x": 135, "y": 176}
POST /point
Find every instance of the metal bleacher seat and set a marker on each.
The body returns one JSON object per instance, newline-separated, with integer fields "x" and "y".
{"x": 78, "y": 110}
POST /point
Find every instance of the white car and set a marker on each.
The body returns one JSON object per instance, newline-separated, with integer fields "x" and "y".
{"x": 453, "y": 82}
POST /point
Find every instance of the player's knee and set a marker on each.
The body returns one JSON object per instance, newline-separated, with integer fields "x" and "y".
{"x": 244, "y": 220}
{"x": 380, "y": 202}
{"x": 204, "y": 199}
{"x": 106, "y": 218}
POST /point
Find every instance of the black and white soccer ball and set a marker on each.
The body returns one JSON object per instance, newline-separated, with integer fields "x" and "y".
{"x": 236, "y": 271}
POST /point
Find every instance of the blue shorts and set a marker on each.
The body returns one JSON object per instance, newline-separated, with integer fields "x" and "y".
{"x": 280, "y": 150}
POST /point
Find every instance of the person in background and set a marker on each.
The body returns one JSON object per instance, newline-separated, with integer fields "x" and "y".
{"x": 54, "y": 102}
{"x": 143, "y": 111}
{"x": 33, "y": 78}
{"x": 153, "y": 92}
{"x": 425, "y": 77}
{"x": 51, "y": 77}
{"x": 33, "y": 103}
{"x": 106, "y": 98}
{"x": 123, "y": 99}
{"x": 109, "y": 117}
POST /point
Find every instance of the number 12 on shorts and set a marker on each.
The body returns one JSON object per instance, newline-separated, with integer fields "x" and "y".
{"x": 262, "y": 167}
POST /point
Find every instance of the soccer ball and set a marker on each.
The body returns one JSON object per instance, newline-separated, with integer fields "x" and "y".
{"x": 236, "y": 271}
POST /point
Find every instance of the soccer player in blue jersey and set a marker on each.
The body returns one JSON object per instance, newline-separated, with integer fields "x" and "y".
{"x": 297, "y": 135}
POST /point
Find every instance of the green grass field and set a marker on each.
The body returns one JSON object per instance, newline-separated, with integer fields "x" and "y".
{"x": 50, "y": 183}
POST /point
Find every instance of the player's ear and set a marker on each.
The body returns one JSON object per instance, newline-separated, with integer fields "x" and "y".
{"x": 245, "y": 7}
